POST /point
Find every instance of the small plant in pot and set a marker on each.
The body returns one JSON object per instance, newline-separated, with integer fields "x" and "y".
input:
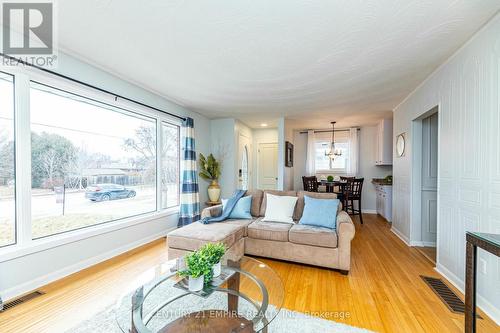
{"x": 214, "y": 253}
{"x": 329, "y": 179}
{"x": 198, "y": 267}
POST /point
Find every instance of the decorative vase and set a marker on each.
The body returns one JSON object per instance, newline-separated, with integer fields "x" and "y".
{"x": 196, "y": 284}
{"x": 214, "y": 191}
{"x": 217, "y": 268}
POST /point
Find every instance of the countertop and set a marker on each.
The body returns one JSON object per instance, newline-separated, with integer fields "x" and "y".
{"x": 381, "y": 181}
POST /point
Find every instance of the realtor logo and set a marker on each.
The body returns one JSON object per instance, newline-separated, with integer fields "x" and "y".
{"x": 28, "y": 32}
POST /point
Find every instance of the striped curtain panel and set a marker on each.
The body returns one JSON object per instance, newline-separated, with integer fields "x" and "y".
{"x": 190, "y": 200}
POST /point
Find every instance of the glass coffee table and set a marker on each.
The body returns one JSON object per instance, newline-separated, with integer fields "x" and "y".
{"x": 247, "y": 301}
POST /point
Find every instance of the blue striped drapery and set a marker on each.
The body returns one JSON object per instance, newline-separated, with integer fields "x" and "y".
{"x": 190, "y": 200}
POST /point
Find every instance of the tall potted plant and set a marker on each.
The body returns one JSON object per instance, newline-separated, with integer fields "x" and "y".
{"x": 210, "y": 170}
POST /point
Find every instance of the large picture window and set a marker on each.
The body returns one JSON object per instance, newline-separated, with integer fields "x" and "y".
{"x": 7, "y": 170}
{"x": 91, "y": 162}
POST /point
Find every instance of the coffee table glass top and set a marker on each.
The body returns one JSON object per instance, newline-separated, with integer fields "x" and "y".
{"x": 493, "y": 239}
{"x": 152, "y": 303}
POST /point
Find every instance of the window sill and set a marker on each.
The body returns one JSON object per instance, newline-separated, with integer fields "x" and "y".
{"x": 330, "y": 172}
{"x": 42, "y": 244}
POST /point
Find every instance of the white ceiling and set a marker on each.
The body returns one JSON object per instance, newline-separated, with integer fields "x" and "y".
{"x": 257, "y": 60}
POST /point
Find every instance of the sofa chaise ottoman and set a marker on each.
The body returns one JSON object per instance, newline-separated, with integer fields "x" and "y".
{"x": 305, "y": 244}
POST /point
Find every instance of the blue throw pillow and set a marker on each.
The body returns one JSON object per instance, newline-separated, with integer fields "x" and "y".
{"x": 320, "y": 212}
{"x": 242, "y": 208}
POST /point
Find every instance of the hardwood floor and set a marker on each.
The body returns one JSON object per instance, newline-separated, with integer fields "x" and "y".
{"x": 429, "y": 252}
{"x": 383, "y": 292}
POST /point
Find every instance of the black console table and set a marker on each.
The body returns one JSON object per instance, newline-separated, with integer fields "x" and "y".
{"x": 490, "y": 243}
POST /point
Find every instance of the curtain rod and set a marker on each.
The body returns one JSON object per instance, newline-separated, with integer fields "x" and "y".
{"x": 90, "y": 86}
{"x": 329, "y": 131}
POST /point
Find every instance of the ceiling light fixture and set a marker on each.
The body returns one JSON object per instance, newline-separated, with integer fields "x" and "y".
{"x": 263, "y": 125}
{"x": 333, "y": 153}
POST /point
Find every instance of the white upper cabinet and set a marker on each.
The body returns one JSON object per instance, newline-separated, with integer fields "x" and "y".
{"x": 383, "y": 152}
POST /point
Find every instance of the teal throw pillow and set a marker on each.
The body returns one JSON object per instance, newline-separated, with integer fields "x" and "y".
{"x": 242, "y": 208}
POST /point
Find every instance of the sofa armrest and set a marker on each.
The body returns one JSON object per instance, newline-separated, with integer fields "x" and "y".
{"x": 345, "y": 233}
{"x": 345, "y": 226}
{"x": 211, "y": 211}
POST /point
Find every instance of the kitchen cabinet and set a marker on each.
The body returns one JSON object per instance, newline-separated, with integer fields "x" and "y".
{"x": 384, "y": 201}
{"x": 383, "y": 151}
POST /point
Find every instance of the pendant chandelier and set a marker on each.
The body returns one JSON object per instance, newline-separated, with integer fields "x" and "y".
{"x": 333, "y": 153}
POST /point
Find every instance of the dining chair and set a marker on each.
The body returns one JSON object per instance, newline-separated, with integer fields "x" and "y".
{"x": 310, "y": 183}
{"x": 352, "y": 194}
{"x": 345, "y": 187}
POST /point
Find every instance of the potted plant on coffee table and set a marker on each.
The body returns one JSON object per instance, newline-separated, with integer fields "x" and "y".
{"x": 197, "y": 268}
{"x": 214, "y": 253}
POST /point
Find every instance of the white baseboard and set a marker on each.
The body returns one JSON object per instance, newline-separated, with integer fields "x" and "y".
{"x": 369, "y": 211}
{"x": 488, "y": 308}
{"x": 57, "y": 275}
{"x": 400, "y": 236}
{"x": 423, "y": 244}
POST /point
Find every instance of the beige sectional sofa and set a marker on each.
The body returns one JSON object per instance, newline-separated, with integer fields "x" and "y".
{"x": 299, "y": 243}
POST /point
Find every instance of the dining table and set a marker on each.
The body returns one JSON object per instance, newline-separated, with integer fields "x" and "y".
{"x": 330, "y": 187}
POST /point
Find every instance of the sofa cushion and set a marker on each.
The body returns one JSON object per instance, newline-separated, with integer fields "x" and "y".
{"x": 241, "y": 222}
{"x": 320, "y": 212}
{"x": 241, "y": 209}
{"x": 269, "y": 230}
{"x": 299, "y": 208}
{"x": 311, "y": 235}
{"x": 273, "y": 192}
{"x": 279, "y": 208}
{"x": 256, "y": 201}
{"x": 195, "y": 235}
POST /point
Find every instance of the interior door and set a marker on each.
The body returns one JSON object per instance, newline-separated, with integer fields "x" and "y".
{"x": 429, "y": 179}
{"x": 268, "y": 166}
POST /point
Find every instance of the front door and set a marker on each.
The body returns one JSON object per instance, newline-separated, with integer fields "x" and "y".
{"x": 244, "y": 174}
{"x": 268, "y": 166}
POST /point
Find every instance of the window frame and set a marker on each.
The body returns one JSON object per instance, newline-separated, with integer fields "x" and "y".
{"x": 14, "y": 130}
{"x": 179, "y": 150}
{"x": 23, "y": 76}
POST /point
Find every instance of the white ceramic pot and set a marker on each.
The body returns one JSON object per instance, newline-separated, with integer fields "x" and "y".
{"x": 196, "y": 284}
{"x": 217, "y": 268}
{"x": 214, "y": 192}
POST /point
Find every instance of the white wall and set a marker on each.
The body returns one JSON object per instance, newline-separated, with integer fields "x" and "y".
{"x": 21, "y": 274}
{"x": 367, "y": 167}
{"x": 466, "y": 88}
{"x": 223, "y": 146}
{"x": 299, "y": 163}
{"x": 267, "y": 135}
{"x": 289, "y": 171}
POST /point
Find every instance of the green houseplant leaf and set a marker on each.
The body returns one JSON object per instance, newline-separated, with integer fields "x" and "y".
{"x": 213, "y": 252}
{"x": 209, "y": 167}
{"x": 197, "y": 265}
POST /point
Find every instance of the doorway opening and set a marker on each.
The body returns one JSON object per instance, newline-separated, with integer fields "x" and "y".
{"x": 425, "y": 183}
